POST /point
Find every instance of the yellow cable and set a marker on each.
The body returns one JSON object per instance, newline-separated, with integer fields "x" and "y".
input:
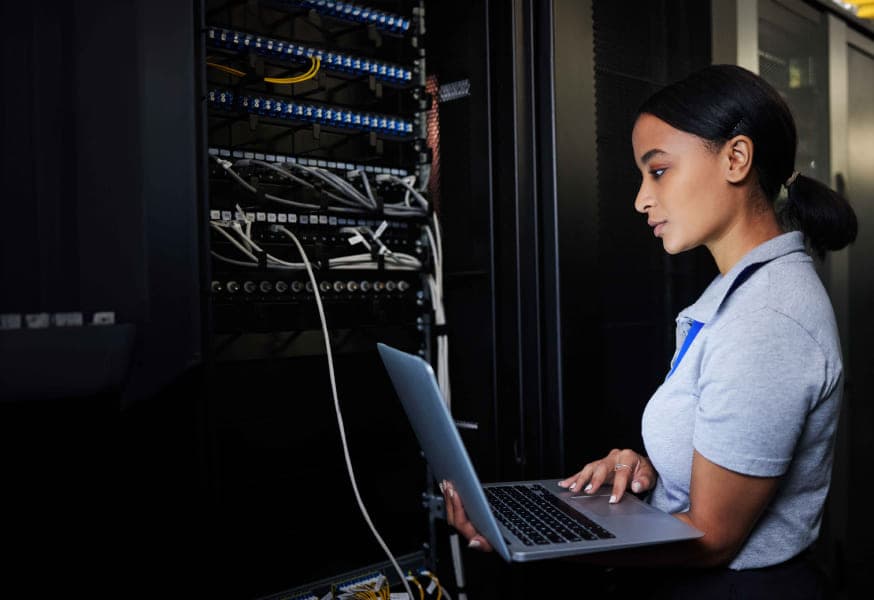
{"x": 314, "y": 68}
{"x": 315, "y": 64}
{"x": 436, "y": 582}
{"x": 418, "y": 585}
{"x": 226, "y": 69}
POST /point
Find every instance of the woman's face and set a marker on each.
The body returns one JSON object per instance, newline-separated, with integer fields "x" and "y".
{"x": 684, "y": 191}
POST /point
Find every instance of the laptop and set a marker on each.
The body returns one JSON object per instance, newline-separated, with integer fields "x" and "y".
{"x": 522, "y": 520}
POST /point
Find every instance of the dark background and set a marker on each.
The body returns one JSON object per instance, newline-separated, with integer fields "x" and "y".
{"x": 560, "y": 304}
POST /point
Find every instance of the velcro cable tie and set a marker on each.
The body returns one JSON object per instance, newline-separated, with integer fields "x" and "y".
{"x": 379, "y": 230}
{"x": 359, "y": 239}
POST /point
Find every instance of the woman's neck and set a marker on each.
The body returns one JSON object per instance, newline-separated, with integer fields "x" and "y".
{"x": 748, "y": 232}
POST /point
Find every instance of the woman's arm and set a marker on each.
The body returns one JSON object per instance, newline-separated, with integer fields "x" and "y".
{"x": 725, "y": 505}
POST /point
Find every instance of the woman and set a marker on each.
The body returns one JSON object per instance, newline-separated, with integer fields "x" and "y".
{"x": 739, "y": 437}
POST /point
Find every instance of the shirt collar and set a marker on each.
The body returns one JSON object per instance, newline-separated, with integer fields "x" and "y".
{"x": 708, "y": 304}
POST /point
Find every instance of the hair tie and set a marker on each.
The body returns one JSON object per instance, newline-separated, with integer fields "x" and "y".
{"x": 791, "y": 179}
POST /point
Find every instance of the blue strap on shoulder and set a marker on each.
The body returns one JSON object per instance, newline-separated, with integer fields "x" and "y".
{"x": 694, "y": 328}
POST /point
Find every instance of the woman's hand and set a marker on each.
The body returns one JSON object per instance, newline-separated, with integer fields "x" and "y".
{"x": 457, "y": 518}
{"x": 622, "y": 468}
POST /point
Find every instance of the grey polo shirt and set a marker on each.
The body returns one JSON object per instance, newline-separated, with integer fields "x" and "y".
{"x": 757, "y": 392}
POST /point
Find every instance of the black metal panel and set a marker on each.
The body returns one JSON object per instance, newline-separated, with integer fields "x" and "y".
{"x": 100, "y": 183}
{"x": 462, "y": 33}
{"x": 860, "y": 377}
{"x": 631, "y": 291}
{"x": 554, "y": 218}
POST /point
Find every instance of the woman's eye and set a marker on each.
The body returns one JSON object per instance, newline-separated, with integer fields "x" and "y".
{"x": 656, "y": 173}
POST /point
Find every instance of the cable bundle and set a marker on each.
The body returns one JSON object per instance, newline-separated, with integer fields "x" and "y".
{"x": 245, "y": 244}
{"x": 349, "y": 198}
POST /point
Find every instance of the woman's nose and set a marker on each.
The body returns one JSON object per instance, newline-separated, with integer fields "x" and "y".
{"x": 643, "y": 201}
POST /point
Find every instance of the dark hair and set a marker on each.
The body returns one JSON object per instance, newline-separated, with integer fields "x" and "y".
{"x": 722, "y": 101}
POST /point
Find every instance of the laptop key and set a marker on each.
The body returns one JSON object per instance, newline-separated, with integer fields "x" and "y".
{"x": 580, "y": 519}
{"x": 534, "y": 518}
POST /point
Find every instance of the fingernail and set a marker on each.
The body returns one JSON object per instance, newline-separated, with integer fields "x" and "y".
{"x": 473, "y": 544}
{"x": 635, "y": 487}
{"x": 573, "y": 486}
{"x": 562, "y": 484}
{"x": 588, "y": 488}
{"x": 440, "y": 485}
{"x": 612, "y": 499}
{"x": 451, "y": 493}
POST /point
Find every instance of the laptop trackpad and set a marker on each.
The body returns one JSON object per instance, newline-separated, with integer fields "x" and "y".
{"x": 599, "y": 504}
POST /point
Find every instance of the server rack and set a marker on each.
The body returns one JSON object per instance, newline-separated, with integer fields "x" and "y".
{"x": 322, "y": 241}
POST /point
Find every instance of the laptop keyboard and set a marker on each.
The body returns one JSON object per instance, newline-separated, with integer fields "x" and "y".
{"x": 537, "y": 517}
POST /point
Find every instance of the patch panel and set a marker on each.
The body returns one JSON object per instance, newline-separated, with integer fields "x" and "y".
{"x": 308, "y": 162}
{"x": 310, "y": 229}
{"x": 347, "y": 11}
{"x": 304, "y": 219}
{"x": 307, "y": 112}
{"x": 338, "y": 62}
{"x": 368, "y": 582}
{"x": 374, "y": 577}
{"x": 298, "y": 201}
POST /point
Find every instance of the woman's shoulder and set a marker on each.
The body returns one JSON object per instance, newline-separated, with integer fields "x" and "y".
{"x": 784, "y": 298}
{"x": 793, "y": 288}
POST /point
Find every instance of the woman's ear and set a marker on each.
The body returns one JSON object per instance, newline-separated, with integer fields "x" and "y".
{"x": 739, "y": 158}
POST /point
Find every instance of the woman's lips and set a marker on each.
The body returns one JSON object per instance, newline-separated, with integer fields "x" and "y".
{"x": 657, "y": 226}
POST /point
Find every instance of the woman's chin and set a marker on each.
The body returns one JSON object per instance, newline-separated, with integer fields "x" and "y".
{"x": 672, "y": 247}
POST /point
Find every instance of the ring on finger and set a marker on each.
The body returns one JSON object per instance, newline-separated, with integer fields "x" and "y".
{"x": 620, "y": 466}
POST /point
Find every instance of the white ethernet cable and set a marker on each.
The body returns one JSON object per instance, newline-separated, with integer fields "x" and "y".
{"x": 442, "y": 343}
{"x": 359, "y": 262}
{"x": 435, "y": 284}
{"x": 352, "y": 200}
{"x": 439, "y": 237}
{"x": 359, "y": 238}
{"x": 401, "y": 181}
{"x": 284, "y": 172}
{"x": 352, "y": 261}
{"x": 243, "y": 216}
{"x": 438, "y": 260}
{"x": 231, "y": 239}
{"x": 324, "y": 321}
{"x": 363, "y": 175}
{"x": 335, "y": 182}
{"x": 400, "y": 261}
{"x": 235, "y": 227}
{"x": 227, "y": 166}
{"x": 435, "y": 583}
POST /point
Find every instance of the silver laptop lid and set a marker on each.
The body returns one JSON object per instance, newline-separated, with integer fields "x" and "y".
{"x": 435, "y": 429}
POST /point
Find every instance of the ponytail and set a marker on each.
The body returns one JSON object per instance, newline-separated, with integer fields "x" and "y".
{"x": 826, "y": 219}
